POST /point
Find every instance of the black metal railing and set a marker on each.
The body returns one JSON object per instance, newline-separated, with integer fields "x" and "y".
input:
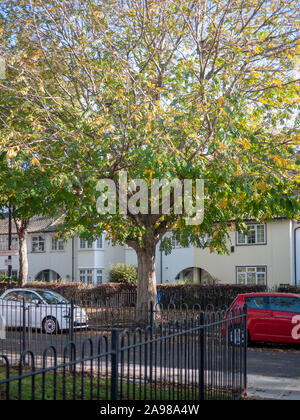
{"x": 36, "y": 326}
{"x": 198, "y": 358}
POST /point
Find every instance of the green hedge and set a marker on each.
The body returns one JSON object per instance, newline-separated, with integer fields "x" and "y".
{"x": 123, "y": 273}
{"x": 289, "y": 289}
{"x": 174, "y": 294}
{"x": 216, "y": 295}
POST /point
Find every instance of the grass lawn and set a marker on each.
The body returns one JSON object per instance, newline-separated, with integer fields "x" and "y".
{"x": 76, "y": 387}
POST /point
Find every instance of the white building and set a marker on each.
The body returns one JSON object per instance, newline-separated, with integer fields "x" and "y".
{"x": 269, "y": 254}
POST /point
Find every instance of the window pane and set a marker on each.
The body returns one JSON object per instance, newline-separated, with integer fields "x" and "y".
{"x": 241, "y": 238}
{"x": 252, "y": 235}
{"x": 258, "y": 303}
{"x": 241, "y": 278}
{"x": 285, "y": 304}
{"x": 251, "y": 278}
{"x": 261, "y": 233}
{"x": 261, "y": 279}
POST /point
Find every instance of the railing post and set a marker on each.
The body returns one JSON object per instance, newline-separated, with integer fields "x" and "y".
{"x": 245, "y": 319}
{"x": 115, "y": 349}
{"x": 24, "y": 325}
{"x": 71, "y": 329}
{"x": 151, "y": 313}
{"x": 202, "y": 358}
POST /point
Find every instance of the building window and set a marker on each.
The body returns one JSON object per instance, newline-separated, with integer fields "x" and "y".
{"x": 99, "y": 243}
{"x": 84, "y": 244}
{"x": 38, "y": 243}
{"x": 4, "y": 243}
{"x": 99, "y": 276}
{"x": 256, "y": 235}
{"x": 252, "y": 275}
{"x": 175, "y": 243}
{"x": 204, "y": 241}
{"x": 14, "y": 273}
{"x": 86, "y": 275}
{"x": 58, "y": 244}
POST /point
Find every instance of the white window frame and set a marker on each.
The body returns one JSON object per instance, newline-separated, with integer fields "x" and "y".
{"x": 58, "y": 244}
{"x": 39, "y": 240}
{"x": 175, "y": 243}
{"x": 85, "y": 244}
{"x": 85, "y": 274}
{"x": 99, "y": 275}
{"x": 4, "y": 243}
{"x": 245, "y": 236}
{"x": 99, "y": 242}
{"x": 245, "y": 272}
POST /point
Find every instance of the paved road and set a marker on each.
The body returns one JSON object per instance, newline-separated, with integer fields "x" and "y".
{"x": 274, "y": 360}
{"x": 263, "y": 359}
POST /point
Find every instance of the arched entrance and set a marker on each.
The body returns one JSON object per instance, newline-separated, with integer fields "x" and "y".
{"x": 195, "y": 275}
{"x": 47, "y": 276}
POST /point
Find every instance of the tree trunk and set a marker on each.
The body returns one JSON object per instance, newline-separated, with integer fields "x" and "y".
{"x": 146, "y": 289}
{"x": 23, "y": 260}
{"x": 21, "y": 226}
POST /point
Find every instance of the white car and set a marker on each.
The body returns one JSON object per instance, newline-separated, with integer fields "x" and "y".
{"x": 42, "y": 309}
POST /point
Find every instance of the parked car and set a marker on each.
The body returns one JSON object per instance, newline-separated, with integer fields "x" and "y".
{"x": 272, "y": 317}
{"x": 43, "y": 309}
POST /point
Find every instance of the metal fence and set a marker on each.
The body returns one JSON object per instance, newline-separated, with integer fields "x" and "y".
{"x": 34, "y": 325}
{"x": 198, "y": 358}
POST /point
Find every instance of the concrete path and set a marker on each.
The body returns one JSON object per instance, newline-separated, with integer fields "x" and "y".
{"x": 273, "y": 388}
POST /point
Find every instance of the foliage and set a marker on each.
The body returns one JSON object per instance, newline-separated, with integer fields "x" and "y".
{"x": 175, "y": 89}
{"x": 123, "y": 273}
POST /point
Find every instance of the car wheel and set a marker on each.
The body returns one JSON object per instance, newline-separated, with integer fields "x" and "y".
{"x": 50, "y": 325}
{"x": 237, "y": 336}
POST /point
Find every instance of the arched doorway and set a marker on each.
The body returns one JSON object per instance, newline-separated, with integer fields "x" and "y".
{"x": 195, "y": 275}
{"x": 47, "y": 276}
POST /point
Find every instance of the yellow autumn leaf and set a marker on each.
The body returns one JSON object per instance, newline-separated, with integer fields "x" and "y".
{"x": 279, "y": 160}
{"x": 12, "y": 153}
{"x": 35, "y": 162}
{"x": 220, "y": 101}
{"x": 262, "y": 185}
{"x": 246, "y": 144}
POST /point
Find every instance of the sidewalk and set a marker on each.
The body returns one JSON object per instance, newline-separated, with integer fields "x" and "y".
{"x": 273, "y": 388}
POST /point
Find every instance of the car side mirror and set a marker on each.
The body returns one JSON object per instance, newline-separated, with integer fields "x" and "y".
{"x": 36, "y": 302}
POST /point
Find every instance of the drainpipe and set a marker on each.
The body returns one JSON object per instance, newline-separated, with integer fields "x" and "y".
{"x": 9, "y": 277}
{"x": 73, "y": 260}
{"x": 295, "y": 255}
{"x": 161, "y": 266}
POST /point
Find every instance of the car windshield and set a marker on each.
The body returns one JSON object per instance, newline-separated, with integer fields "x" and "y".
{"x": 52, "y": 298}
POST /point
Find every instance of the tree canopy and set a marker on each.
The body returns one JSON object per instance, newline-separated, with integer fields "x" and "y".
{"x": 202, "y": 89}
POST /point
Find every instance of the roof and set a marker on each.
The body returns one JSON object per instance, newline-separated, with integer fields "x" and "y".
{"x": 269, "y": 294}
{"x": 37, "y": 224}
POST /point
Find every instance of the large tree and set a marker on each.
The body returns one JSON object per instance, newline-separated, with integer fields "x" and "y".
{"x": 161, "y": 89}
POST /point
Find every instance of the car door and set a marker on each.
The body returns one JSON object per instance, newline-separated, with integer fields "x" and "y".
{"x": 259, "y": 317}
{"x": 12, "y": 309}
{"x": 34, "y": 309}
{"x": 285, "y": 309}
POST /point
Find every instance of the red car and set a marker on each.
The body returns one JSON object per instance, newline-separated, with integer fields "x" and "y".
{"x": 273, "y": 317}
